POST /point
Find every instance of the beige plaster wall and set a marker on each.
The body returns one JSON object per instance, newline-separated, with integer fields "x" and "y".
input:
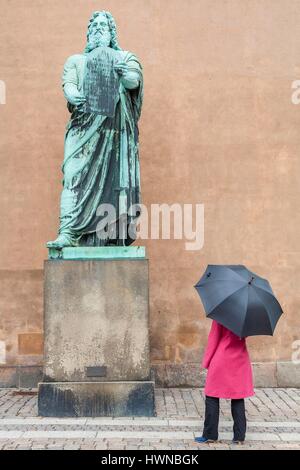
{"x": 218, "y": 127}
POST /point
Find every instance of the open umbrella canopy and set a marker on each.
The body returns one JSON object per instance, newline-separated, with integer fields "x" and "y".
{"x": 239, "y": 299}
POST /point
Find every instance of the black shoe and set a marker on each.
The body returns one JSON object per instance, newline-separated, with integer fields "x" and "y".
{"x": 237, "y": 441}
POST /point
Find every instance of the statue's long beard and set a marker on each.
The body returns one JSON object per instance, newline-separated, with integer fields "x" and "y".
{"x": 101, "y": 40}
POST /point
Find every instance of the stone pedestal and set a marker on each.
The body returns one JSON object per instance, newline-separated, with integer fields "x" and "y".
{"x": 96, "y": 323}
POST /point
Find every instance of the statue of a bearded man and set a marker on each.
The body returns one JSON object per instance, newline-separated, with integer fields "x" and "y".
{"x": 104, "y": 90}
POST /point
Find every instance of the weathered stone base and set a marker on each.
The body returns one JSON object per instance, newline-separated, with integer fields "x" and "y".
{"x": 96, "y": 315}
{"x": 96, "y": 399}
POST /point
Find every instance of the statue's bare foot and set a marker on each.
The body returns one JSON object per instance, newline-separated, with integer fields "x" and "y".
{"x": 61, "y": 241}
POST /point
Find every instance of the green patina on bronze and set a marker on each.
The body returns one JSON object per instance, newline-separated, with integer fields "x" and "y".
{"x": 98, "y": 252}
{"x": 104, "y": 90}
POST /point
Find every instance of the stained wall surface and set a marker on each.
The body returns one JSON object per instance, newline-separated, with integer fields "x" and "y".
{"x": 218, "y": 128}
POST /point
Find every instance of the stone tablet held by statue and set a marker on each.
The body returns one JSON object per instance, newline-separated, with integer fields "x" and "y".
{"x": 101, "y": 81}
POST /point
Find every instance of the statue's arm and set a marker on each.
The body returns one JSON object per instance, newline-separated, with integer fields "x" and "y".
{"x": 70, "y": 82}
{"x": 130, "y": 71}
{"x": 130, "y": 80}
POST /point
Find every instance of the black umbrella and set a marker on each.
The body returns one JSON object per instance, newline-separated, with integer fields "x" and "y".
{"x": 239, "y": 299}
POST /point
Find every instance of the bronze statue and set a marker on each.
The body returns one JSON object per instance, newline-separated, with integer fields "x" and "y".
{"x": 104, "y": 90}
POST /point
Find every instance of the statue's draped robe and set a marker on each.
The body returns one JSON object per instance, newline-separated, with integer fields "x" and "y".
{"x": 101, "y": 160}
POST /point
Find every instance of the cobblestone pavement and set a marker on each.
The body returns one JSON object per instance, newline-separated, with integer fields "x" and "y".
{"x": 273, "y": 423}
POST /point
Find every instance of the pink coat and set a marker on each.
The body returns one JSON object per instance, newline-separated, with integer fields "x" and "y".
{"x": 226, "y": 357}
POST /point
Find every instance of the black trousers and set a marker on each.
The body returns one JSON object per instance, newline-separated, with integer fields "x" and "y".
{"x": 211, "y": 423}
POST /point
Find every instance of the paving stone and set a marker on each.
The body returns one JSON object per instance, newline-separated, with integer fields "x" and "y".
{"x": 273, "y": 423}
{"x": 58, "y": 434}
{"x": 290, "y": 436}
{"x": 101, "y": 446}
{"x": 10, "y": 434}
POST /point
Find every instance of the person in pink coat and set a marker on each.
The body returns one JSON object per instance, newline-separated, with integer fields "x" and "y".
{"x": 229, "y": 375}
